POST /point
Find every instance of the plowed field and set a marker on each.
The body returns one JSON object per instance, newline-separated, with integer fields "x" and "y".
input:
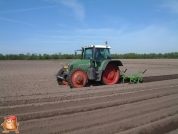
{"x": 29, "y": 90}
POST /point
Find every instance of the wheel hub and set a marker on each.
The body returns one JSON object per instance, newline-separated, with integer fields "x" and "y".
{"x": 111, "y": 75}
{"x": 79, "y": 79}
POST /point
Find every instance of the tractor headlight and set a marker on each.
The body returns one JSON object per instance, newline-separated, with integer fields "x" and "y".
{"x": 66, "y": 67}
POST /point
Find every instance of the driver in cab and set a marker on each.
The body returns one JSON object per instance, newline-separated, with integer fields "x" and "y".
{"x": 99, "y": 54}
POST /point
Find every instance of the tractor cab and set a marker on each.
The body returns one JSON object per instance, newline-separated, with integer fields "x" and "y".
{"x": 97, "y": 52}
{"x": 94, "y": 56}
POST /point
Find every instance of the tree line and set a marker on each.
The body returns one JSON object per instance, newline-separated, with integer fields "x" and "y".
{"x": 28, "y": 56}
{"x": 173, "y": 55}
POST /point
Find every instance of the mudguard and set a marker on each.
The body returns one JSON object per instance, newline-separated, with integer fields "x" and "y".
{"x": 117, "y": 62}
{"x": 99, "y": 72}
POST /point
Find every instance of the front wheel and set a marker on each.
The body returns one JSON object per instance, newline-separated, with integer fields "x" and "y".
{"x": 77, "y": 78}
{"x": 111, "y": 74}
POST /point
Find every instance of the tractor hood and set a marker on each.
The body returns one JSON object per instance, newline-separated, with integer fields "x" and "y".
{"x": 83, "y": 64}
{"x": 73, "y": 62}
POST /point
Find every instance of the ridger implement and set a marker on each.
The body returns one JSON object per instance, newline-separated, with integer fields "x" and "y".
{"x": 132, "y": 78}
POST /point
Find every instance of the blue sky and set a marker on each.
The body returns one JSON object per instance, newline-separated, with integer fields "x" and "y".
{"x": 53, "y": 26}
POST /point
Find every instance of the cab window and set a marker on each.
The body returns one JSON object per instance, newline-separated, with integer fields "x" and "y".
{"x": 108, "y": 55}
{"x": 99, "y": 53}
{"x": 88, "y": 53}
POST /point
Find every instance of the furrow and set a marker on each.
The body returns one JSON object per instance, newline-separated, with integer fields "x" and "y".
{"x": 82, "y": 94}
{"x": 130, "y": 123}
{"x": 103, "y": 116}
{"x": 162, "y": 126}
{"x": 84, "y": 108}
{"x": 79, "y": 102}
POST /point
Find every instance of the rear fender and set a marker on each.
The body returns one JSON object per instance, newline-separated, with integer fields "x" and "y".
{"x": 100, "y": 72}
{"x": 117, "y": 62}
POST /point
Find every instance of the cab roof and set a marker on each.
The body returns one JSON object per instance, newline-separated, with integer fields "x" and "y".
{"x": 97, "y": 46}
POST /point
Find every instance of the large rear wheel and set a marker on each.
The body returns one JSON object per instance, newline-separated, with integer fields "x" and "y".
{"x": 111, "y": 74}
{"x": 61, "y": 81}
{"x": 77, "y": 78}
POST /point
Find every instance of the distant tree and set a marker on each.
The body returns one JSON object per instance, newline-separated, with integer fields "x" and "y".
{"x": 46, "y": 56}
{"x": 175, "y": 55}
{"x": 2, "y": 57}
{"x": 40, "y": 57}
{"x": 114, "y": 56}
{"x": 160, "y": 55}
{"x": 54, "y": 56}
{"x": 35, "y": 56}
{"x": 21, "y": 57}
{"x": 60, "y": 55}
{"x": 28, "y": 56}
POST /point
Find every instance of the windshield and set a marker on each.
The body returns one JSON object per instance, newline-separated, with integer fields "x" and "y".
{"x": 99, "y": 54}
{"x": 88, "y": 53}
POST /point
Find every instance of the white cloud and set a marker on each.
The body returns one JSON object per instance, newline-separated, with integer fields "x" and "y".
{"x": 172, "y": 5}
{"x": 62, "y": 25}
{"x": 6, "y": 19}
{"x": 77, "y": 8}
{"x": 27, "y": 9}
{"x": 152, "y": 38}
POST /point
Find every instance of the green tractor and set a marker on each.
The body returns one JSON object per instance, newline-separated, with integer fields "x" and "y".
{"x": 95, "y": 65}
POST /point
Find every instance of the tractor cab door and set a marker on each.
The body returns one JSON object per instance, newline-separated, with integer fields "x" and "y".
{"x": 88, "y": 57}
{"x": 102, "y": 53}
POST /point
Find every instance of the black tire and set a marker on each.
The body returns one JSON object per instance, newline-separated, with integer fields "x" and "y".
{"x": 60, "y": 72}
{"x": 80, "y": 74}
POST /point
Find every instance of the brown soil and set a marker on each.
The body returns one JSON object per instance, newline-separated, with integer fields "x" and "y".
{"x": 30, "y": 91}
